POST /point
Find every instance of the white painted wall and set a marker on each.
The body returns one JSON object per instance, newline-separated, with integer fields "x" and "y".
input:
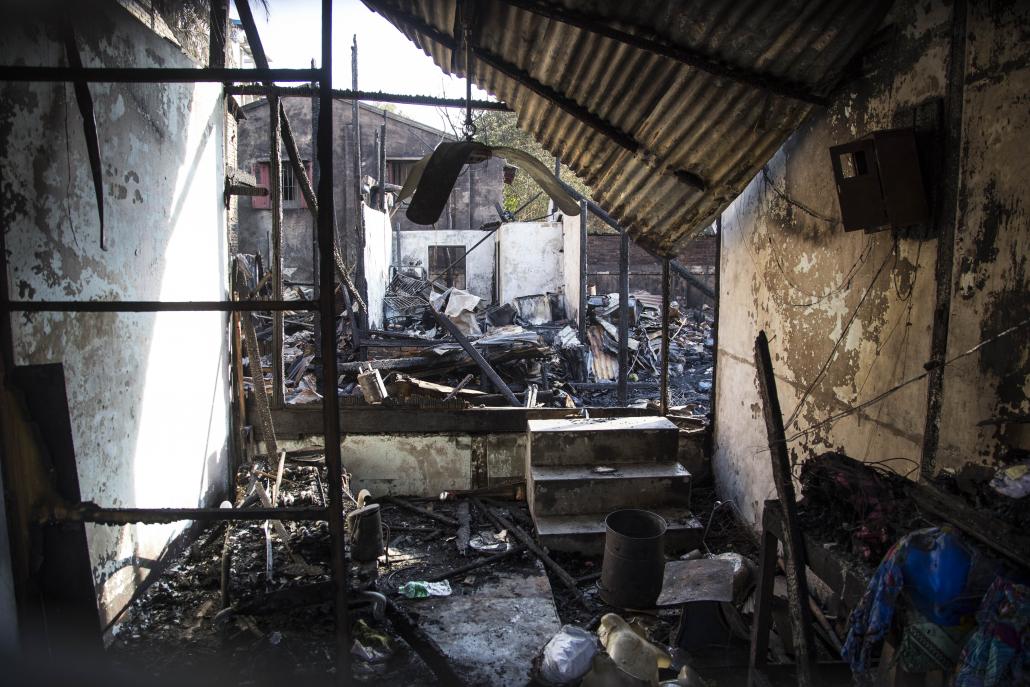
{"x": 378, "y": 257}
{"x": 148, "y": 393}
{"x": 530, "y": 259}
{"x": 479, "y": 264}
{"x": 570, "y": 264}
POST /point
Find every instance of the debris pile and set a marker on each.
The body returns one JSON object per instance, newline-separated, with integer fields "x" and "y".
{"x": 433, "y": 337}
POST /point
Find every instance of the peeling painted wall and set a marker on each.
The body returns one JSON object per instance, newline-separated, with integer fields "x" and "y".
{"x": 479, "y": 264}
{"x": 790, "y": 269}
{"x": 147, "y": 392}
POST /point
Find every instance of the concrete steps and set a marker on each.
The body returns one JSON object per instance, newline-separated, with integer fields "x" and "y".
{"x": 580, "y": 470}
{"x": 574, "y": 489}
{"x": 585, "y": 533}
{"x": 607, "y": 441}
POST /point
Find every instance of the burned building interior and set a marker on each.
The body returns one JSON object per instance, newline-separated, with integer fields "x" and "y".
{"x": 690, "y": 348}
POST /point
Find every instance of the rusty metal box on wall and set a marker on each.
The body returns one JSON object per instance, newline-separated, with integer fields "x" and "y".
{"x": 879, "y": 181}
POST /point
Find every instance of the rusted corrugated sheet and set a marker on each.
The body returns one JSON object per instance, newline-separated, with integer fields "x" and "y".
{"x": 685, "y": 121}
{"x": 605, "y": 365}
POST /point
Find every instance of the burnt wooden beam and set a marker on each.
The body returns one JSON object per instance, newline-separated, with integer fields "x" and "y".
{"x": 524, "y": 78}
{"x": 793, "y": 544}
{"x": 986, "y": 529}
{"x": 686, "y": 56}
{"x": 692, "y": 279}
{"x": 487, "y": 369}
{"x": 153, "y": 74}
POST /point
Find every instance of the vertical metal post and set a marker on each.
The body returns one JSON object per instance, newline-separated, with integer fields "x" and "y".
{"x": 664, "y": 387}
{"x": 316, "y": 278}
{"x": 584, "y": 215}
{"x": 624, "y": 318}
{"x": 327, "y": 303}
{"x": 275, "y": 180}
{"x": 715, "y": 330}
{"x": 382, "y": 165}
{"x": 359, "y": 219}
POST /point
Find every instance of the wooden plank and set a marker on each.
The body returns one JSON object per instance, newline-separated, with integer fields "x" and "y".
{"x": 989, "y": 531}
{"x": 797, "y": 584}
{"x": 763, "y": 605}
{"x": 257, "y": 378}
{"x": 827, "y": 566}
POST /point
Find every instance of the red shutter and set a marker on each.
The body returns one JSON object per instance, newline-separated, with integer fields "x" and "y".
{"x": 261, "y": 173}
{"x": 311, "y": 180}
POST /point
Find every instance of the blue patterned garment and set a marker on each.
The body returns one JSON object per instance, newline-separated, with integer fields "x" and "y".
{"x": 872, "y": 618}
{"x": 998, "y": 652}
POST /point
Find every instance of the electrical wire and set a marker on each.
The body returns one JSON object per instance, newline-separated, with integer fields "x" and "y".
{"x": 929, "y": 368}
{"x": 840, "y": 339}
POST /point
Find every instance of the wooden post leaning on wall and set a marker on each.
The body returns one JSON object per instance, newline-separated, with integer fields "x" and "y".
{"x": 793, "y": 544}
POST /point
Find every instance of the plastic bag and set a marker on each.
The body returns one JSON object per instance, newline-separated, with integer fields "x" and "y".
{"x": 421, "y": 590}
{"x": 568, "y": 655}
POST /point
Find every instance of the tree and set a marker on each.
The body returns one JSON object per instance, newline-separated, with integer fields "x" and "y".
{"x": 500, "y": 129}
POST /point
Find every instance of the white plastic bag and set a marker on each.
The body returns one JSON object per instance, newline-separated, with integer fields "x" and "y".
{"x": 568, "y": 655}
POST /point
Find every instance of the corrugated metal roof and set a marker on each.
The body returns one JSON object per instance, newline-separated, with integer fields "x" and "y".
{"x": 675, "y": 122}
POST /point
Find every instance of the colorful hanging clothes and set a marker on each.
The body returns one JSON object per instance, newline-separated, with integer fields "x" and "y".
{"x": 998, "y": 651}
{"x": 871, "y": 619}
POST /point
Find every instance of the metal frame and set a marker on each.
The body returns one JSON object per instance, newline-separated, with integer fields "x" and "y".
{"x": 370, "y": 96}
{"x": 325, "y": 305}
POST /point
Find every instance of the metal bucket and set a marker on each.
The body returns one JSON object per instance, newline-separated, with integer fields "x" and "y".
{"x": 633, "y": 568}
{"x": 366, "y": 533}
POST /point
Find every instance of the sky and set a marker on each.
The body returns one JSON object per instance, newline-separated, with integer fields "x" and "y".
{"x": 387, "y": 60}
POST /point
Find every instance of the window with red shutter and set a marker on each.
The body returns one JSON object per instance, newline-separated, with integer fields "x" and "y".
{"x": 262, "y": 176}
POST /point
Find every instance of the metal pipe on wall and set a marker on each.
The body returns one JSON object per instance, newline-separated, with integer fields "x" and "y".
{"x": 584, "y": 210}
{"x": 623, "y": 319}
{"x": 664, "y": 386}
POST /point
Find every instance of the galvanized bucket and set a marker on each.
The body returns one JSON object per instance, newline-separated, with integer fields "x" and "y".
{"x": 633, "y": 568}
{"x": 366, "y": 533}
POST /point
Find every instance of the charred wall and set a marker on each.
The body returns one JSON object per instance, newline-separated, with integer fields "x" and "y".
{"x": 851, "y": 315}
{"x": 147, "y": 393}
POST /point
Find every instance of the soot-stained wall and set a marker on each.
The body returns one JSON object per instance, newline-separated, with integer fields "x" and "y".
{"x": 147, "y": 393}
{"x": 851, "y": 315}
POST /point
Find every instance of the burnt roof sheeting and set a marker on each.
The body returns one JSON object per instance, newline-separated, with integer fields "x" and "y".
{"x": 684, "y": 123}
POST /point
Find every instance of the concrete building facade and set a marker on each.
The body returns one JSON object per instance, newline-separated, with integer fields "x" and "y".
{"x": 471, "y": 204}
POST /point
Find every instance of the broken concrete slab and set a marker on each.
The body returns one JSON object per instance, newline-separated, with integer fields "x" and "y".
{"x": 492, "y": 633}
